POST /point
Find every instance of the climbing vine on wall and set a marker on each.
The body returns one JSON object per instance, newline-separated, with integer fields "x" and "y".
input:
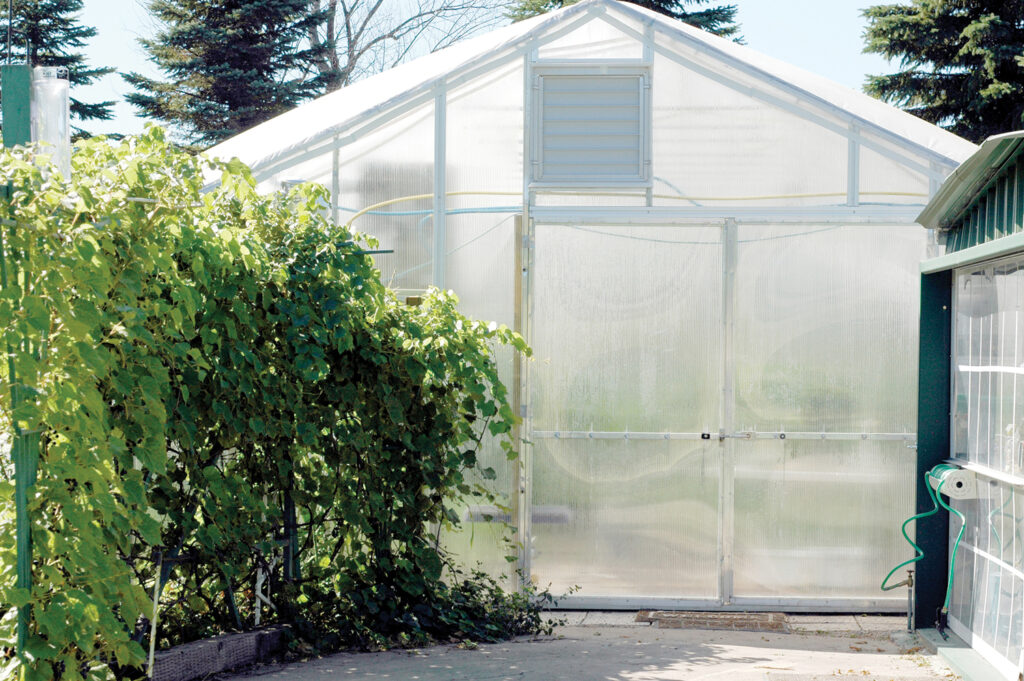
{"x": 224, "y": 392}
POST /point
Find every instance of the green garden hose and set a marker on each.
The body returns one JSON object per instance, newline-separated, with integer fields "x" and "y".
{"x": 999, "y": 512}
{"x": 959, "y": 536}
{"x": 937, "y": 501}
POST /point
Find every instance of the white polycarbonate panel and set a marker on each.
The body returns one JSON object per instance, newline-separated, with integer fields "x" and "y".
{"x": 988, "y": 421}
{"x": 392, "y": 165}
{"x": 480, "y": 269}
{"x": 480, "y": 265}
{"x": 484, "y": 177}
{"x": 594, "y": 40}
{"x": 826, "y": 328}
{"x": 484, "y": 134}
{"x": 887, "y": 181}
{"x": 626, "y": 518}
{"x": 626, "y": 328}
{"x": 961, "y": 604}
{"x": 483, "y": 540}
{"x": 317, "y": 169}
{"x": 716, "y": 146}
{"x": 795, "y": 88}
{"x": 611, "y": 197}
{"x": 819, "y": 519}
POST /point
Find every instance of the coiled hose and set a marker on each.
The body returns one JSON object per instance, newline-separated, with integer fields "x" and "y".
{"x": 937, "y": 501}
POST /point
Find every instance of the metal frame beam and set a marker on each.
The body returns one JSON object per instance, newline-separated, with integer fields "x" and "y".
{"x": 740, "y": 435}
{"x": 727, "y": 446}
{"x": 440, "y": 242}
{"x": 672, "y": 215}
{"x": 887, "y": 605}
{"x": 853, "y": 167}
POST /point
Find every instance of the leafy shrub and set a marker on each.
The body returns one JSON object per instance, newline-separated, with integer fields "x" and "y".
{"x": 221, "y": 387}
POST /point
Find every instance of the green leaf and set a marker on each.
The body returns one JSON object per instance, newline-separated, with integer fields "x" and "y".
{"x": 18, "y": 597}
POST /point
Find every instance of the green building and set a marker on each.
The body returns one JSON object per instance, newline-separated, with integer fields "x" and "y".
{"x": 971, "y": 400}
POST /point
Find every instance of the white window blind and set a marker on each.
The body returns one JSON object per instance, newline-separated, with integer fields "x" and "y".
{"x": 592, "y": 128}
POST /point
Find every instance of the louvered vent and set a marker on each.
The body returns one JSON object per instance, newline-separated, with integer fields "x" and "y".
{"x": 592, "y": 128}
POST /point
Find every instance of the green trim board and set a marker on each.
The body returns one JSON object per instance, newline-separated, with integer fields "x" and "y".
{"x": 933, "y": 418}
{"x": 988, "y": 250}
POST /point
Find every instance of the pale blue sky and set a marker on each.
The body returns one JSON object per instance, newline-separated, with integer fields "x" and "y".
{"x": 822, "y": 36}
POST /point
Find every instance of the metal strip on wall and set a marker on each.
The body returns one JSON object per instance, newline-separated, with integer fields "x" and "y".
{"x": 727, "y": 450}
{"x": 909, "y": 438}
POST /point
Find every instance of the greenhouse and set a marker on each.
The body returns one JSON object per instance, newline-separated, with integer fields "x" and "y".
{"x": 714, "y": 258}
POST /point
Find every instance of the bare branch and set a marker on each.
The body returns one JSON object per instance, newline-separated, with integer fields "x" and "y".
{"x": 363, "y": 37}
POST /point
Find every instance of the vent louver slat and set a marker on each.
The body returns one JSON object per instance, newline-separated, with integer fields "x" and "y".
{"x": 592, "y": 128}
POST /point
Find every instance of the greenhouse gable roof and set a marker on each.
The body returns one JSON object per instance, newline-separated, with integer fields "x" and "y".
{"x": 344, "y": 111}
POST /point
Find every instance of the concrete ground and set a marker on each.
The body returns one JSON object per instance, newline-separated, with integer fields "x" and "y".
{"x": 611, "y": 647}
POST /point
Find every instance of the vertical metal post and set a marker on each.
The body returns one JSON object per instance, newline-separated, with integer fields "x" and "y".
{"x": 440, "y": 191}
{"x": 648, "y": 58}
{"x": 291, "y": 532}
{"x": 524, "y": 277}
{"x": 727, "y": 492}
{"x": 153, "y": 623}
{"x": 529, "y": 127}
{"x": 16, "y": 84}
{"x": 853, "y": 167}
{"x": 933, "y": 180}
{"x": 519, "y": 478}
{"x": 910, "y": 601}
{"x": 335, "y": 182}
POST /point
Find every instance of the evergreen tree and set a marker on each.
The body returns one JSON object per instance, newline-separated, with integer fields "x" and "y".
{"x": 717, "y": 19}
{"x": 231, "y": 64}
{"x": 961, "y": 62}
{"x": 47, "y": 33}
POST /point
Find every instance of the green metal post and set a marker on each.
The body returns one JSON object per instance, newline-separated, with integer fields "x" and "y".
{"x": 16, "y": 82}
{"x": 933, "y": 414}
{"x": 16, "y": 86}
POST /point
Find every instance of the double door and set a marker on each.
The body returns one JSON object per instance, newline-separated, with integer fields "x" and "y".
{"x": 721, "y": 415}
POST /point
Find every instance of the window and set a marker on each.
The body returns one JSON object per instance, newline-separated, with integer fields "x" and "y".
{"x": 592, "y": 127}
